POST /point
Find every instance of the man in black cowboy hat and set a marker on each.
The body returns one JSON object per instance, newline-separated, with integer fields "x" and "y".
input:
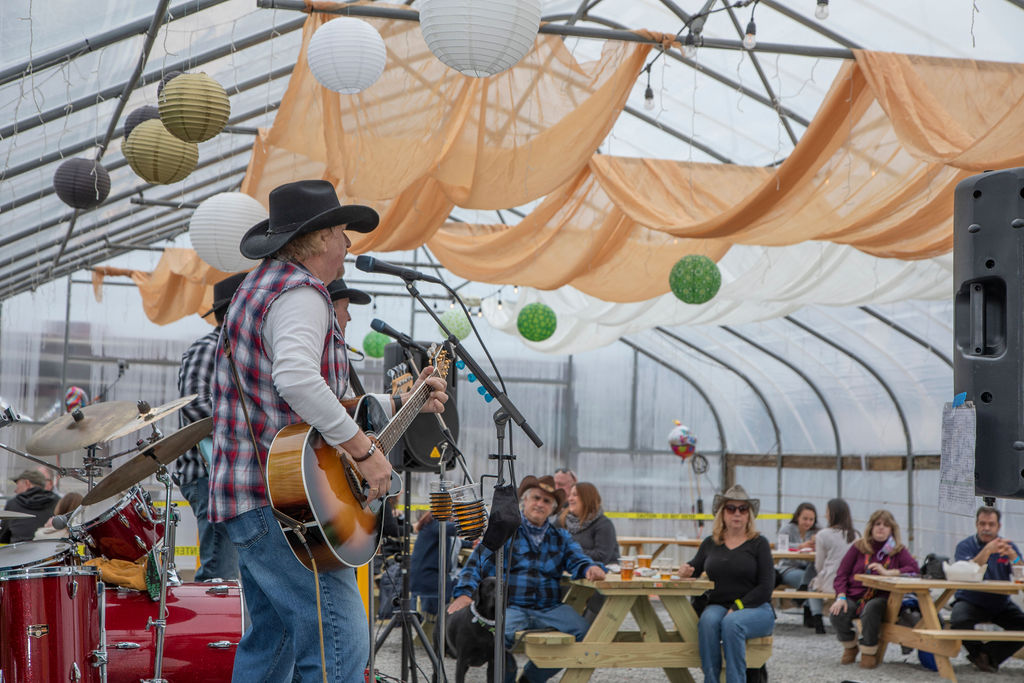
{"x": 217, "y": 556}
{"x": 537, "y": 555}
{"x": 292, "y": 365}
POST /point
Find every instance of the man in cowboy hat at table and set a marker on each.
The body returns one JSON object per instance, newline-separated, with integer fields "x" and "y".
{"x": 537, "y": 555}
{"x": 292, "y": 367}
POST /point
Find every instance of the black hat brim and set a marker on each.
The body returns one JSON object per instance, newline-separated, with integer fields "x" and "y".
{"x": 259, "y": 244}
{"x": 354, "y": 296}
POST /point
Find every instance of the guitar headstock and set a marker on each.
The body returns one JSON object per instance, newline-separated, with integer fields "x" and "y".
{"x": 442, "y": 363}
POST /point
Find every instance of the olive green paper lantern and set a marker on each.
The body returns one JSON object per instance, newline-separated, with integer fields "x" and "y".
{"x": 374, "y": 343}
{"x": 157, "y": 156}
{"x": 194, "y": 107}
{"x": 536, "y": 322}
{"x": 695, "y": 279}
{"x": 456, "y": 321}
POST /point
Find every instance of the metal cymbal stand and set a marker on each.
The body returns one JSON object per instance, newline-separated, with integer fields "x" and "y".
{"x": 166, "y": 567}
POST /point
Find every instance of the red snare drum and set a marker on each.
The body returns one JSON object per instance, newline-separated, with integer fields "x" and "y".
{"x": 126, "y": 531}
{"x": 28, "y": 554}
{"x": 50, "y": 624}
{"x": 204, "y": 625}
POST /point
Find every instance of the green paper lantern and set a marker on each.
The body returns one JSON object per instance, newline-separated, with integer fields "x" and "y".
{"x": 536, "y": 322}
{"x": 695, "y": 279}
{"x": 456, "y": 321}
{"x": 374, "y": 343}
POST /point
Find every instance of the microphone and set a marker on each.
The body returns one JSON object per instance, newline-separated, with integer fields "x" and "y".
{"x": 60, "y": 521}
{"x": 402, "y": 338}
{"x": 369, "y": 264}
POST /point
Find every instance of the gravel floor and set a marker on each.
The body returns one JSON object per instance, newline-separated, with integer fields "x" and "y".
{"x": 799, "y": 656}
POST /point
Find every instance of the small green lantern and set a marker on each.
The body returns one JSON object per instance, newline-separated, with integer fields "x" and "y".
{"x": 456, "y": 321}
{"x": 695, "y": 279}
{"x": 374, "y": 343}
{"x": 536, "y": 322}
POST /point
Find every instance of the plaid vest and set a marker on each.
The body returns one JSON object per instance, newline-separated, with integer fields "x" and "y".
{"x": 236, "y": 480}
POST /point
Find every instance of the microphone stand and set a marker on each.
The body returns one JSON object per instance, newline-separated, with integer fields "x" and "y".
{"x": 506, "y": 412}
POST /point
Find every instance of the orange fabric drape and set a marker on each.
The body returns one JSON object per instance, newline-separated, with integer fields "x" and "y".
{"x": 179, "y": 286}
{"x": 875, "y": 169}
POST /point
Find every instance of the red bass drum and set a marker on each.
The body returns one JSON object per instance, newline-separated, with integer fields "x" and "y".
{"x": 50, "y": 627}
{"x": 204, "y": 625}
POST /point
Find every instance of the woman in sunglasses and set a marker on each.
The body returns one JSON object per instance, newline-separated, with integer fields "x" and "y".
{"x": 878, "y": 551}
{"x": 739, "y": 560}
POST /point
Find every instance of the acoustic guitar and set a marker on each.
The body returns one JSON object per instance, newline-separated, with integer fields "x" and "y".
{"x": 320, "y": 486}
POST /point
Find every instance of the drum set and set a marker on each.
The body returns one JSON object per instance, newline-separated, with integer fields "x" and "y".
{"x": 60, "y": 621}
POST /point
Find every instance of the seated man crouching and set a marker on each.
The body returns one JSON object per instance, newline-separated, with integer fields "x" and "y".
{"x": 536, "y": 557}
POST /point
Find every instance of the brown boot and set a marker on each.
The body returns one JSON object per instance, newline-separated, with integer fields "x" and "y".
{"x": 868, "y": 656}
{"x": 849, "y": 654}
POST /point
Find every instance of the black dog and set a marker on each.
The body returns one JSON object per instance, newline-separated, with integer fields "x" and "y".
{"x": 470, "y": 637}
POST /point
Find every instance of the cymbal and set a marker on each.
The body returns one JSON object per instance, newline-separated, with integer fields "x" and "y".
{"x": 68, "y": 434}
{"x": 11, "y": 514}
{"x": 151, "y": 416}
{"x": 149, "y": 460}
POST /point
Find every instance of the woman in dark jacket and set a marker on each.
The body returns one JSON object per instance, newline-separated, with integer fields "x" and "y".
{"x": 739, "y": 560}
{"x": 878, "y": 551}
{"x": 586, "y": 521}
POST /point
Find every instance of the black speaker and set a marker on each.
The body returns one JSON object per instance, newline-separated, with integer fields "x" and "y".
{"x": 988, "y": 330}
{"x": 422, "y": 446}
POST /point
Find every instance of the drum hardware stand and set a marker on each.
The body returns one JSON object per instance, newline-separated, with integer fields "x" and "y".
{"x": 406, "y": 616}
{"x": 72, "y": 472}
{"x": 166, "y": 568}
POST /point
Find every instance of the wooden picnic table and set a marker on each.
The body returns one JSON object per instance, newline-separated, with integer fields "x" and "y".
{"x": 608, "y": 645}
{"x": 635, "y": 544}
{"x": 928, "y": 635}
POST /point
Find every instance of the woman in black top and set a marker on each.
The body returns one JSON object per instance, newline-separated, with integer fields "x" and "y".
{"x": 585, "y": 520}
{"x": 739, "y": 560}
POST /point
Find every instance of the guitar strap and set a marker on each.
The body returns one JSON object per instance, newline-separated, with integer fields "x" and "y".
{"x": 283, "y": 519}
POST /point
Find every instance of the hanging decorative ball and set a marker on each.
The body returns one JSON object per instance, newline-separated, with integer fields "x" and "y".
{"x": 157, "y": 156}
{"x": 217, "y": 226}
{"x": 138, "y": 115}
{"x": 456, "y": 321}
{"x": 346, "y": 55}
{"x": 480, "y": 37}
{"x": 81, "y": 183}
{"x": 168, "y": 77}
{"x": 194, "y": 107}
{"x": 536, "y": 322}
{"x": 695, "y": 279}
{"x": 374, "y": 343}
{"x": 681, "y": 441}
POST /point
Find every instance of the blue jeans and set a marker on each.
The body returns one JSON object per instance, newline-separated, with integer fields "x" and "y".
{"x": 217, "y": 556}
{"x": 561, "y": 617}
{"x": 719, "y": 629}
{"x": 281, "y": 597}
{"x": 794, "y": 577}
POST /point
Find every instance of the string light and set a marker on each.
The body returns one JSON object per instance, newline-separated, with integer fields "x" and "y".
{"x": 499, "y": 302}
{"x": 480, "y": 312}
{"x": 821, "y": 10}
{"x": 515, "y": 289}
{"x": 649, "y": 92}
{"x": 451, "y": 304}
{"x": 750, "y": 40}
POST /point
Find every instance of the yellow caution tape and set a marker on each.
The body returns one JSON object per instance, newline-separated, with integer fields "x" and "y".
{"x": 649, "y": 515}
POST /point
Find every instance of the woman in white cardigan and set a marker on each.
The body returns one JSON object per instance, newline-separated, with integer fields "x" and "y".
{"x": 830, "y": 545}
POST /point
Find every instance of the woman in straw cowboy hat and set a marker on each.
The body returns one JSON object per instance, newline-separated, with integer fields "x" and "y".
{"x": 739, "y": 560}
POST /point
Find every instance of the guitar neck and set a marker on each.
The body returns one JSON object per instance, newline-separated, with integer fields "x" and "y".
{"x": 394, "y": 429}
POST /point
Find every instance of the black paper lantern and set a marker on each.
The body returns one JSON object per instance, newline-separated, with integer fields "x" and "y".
{"x": 81, "y": 183}
{"x": 165, "y": 80}
{"x": 139, "y": 115}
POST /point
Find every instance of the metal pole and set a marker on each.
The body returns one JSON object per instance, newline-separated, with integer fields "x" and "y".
{"x": 67, "y": 334}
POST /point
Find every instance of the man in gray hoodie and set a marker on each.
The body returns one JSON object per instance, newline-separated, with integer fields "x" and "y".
{"x": 31, "y": 497}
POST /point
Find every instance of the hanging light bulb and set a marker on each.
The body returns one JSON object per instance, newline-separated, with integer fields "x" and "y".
{"x": 689, "y": 46}
{"x": 515, "y": 289}
{"x": 821, "y": 10}
{"x": 499, "y": 303}
{"x": 649, "y": 99}
{"x": 451, "y": 304}
{"x": 480, "y": 312}
{"x": 750, "y": 40}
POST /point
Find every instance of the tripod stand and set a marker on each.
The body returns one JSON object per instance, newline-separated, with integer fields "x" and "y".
{"x": 405, "y": 616}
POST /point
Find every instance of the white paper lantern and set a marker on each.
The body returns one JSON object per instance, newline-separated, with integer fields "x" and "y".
{"x": 346, "y": 55}
{"x": 217, "y": 226}
{"x": 480, "y": 37}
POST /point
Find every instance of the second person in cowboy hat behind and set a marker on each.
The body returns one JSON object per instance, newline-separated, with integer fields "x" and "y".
{"x": 739, "y": 560}
{"x": 292, "y": 366}
{"x": 537, "y": 555}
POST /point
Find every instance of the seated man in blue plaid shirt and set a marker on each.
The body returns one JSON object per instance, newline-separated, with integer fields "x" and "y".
{"x": 536, "y": 556}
